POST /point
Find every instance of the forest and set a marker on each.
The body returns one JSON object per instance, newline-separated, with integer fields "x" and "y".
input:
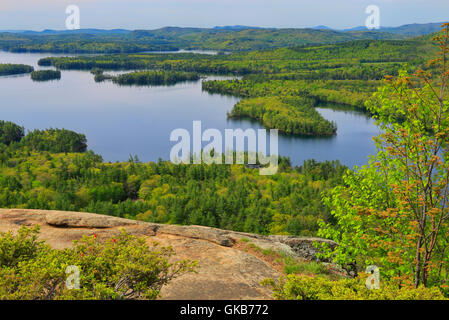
{"x": 51, "y": 169}
{"x": 377, "y": 57}
{"x": 45, "y": 75}
{"x": 173, "y": 39}
{"x": 10, "y": 69}
{"x": 288, "y": 114}
{"x": 142, "y": 78}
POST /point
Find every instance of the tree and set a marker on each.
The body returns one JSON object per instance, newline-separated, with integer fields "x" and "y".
{"x": 10, "y": 132}
{"x": 394, "y": 212}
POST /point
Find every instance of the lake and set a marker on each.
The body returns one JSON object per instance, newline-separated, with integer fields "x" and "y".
{"x": 121, "y": 121}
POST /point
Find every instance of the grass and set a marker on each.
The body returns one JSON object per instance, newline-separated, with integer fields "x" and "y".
{"x": 282, "y": 262}
{"x": 294, "y": 267}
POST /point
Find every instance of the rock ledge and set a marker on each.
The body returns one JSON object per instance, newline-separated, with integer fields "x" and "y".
{"x": 225, "y": 271}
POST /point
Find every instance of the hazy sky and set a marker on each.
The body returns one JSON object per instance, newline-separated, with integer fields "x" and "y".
{"x": 151, "y": 14}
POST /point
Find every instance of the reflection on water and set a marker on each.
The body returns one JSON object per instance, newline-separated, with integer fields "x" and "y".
{"x": 123, "y": 121}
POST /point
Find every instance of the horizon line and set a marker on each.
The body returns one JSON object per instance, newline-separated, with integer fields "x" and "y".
{"x": 215, "y": 27}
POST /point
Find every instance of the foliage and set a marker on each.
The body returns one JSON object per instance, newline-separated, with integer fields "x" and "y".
{"x": 10, "y": 132}
{"x": 328, "y": 92}
{"x": 224, "y": 196}
{"x": 45, "y": 75}
{"x": 294, "y": 287}
{"x": 155, "y": 78}
{"x": 10, "y": 69}
{"x": 290, "y": 115}
{"x": 55, "y": 141}
{"x": 124, "y": 267}
{"x": 394, "y": 213}
{"x": 357, "y": 60}
{"x": 172, "y": 38}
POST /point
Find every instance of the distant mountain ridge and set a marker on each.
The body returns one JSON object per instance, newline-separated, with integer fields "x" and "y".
{"x": 221, "y": 38}
{"x": 414, "y": 29}
{"x": 411, "y": 30}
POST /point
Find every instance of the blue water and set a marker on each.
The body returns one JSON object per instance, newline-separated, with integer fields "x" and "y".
{"x": 121, "y": 121}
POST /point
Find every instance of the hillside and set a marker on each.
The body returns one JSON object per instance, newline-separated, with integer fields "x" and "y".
{"x": 229, "y": 268}
{"x": 174, "y": 38}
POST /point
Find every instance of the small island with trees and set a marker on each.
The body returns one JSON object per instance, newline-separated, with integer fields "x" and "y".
{"x": 45, "y": 75}
{"x": 147, "y": 78}
{"x": 7, "y": 69}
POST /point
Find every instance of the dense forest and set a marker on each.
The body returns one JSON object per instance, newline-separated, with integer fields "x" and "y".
{"x": 155, "y": 78}
{"x": 50, "y": 170}
{"x": 288, "y": 114}
{"x": 172, "y": 38}
{"x": 45, "y": 75}
{"x": 377, "y": 57}
{"x": 10, "y": 69}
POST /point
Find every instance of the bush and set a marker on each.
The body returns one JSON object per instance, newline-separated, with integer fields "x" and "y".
{"x": 125, "y": 267}
{"x": 295, "y": 287}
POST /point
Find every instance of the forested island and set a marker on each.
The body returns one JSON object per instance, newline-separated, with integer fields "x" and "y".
{"x": 146, "y": 78}
{"x": 290, "y": 115}
{"x": 11, "y": 69}
{"x": 45, "y": 75}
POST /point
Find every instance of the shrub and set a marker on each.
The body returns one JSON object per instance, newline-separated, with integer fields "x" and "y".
{"x": 125, "y": 267}
{"x": 295, "y": 287}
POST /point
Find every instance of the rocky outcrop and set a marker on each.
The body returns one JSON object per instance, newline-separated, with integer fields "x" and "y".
{"x": 225, "y": 271}
{"x": 84, "y": 220}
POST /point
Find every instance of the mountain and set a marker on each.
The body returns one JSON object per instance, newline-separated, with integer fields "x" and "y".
{"x": 321, "y": 27}
{"x": 415, "y": 29}
{"x": 238, "y": 27}
{"x": 221, "y": 38}
{"x": 359, "y": 28}
{"x": 409, "y": 30}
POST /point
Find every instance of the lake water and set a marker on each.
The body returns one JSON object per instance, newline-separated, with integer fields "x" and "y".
{"x": 123, "y": 121}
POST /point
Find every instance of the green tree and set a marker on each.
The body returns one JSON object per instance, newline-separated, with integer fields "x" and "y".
{"x": 10, "y": 132}
{"x": 394, "y": 213}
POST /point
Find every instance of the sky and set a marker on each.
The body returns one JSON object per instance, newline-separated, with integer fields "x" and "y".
{"x": 152, "y": 14}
